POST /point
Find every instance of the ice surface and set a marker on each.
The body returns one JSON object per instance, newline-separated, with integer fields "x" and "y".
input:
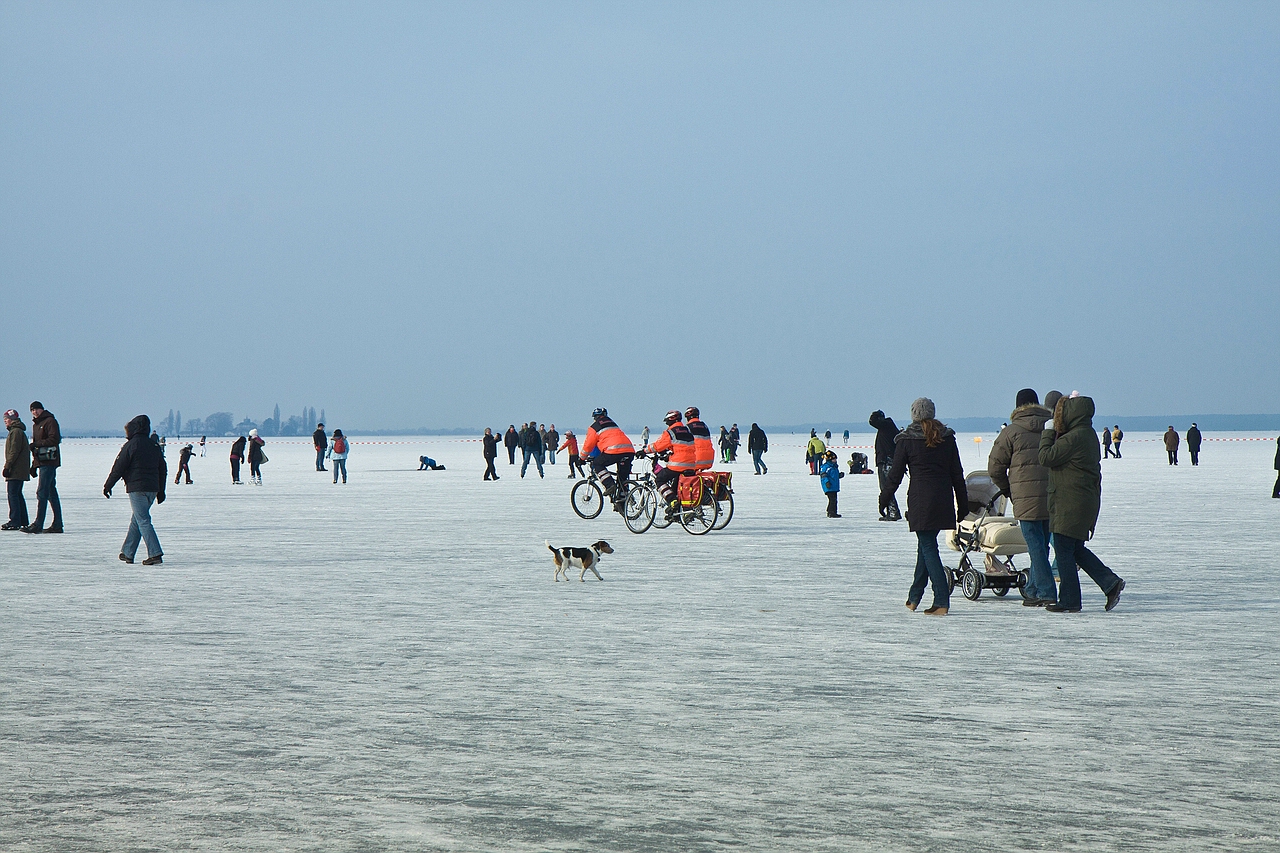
{"x": 389, "y": 665}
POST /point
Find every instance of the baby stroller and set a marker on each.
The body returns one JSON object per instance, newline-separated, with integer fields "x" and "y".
{"x": 987, "y": 530}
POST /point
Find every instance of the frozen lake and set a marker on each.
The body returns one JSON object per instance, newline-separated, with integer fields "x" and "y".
{"x": 388, "y": 665}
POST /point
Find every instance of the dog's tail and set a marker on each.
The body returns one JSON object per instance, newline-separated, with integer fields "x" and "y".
{"x": 549, "y": 548}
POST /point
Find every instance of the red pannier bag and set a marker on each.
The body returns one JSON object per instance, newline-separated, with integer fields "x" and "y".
{"x": 719, "y": 482}
{"x": 689, "y": 490}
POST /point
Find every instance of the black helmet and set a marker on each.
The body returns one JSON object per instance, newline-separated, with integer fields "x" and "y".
{"x": 599, "y": 412}
{"x": 672, "y": 417}
{"x": 691, "y": 412}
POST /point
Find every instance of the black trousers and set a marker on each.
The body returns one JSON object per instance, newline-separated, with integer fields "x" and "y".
{"x": 1275, "y": 493}
{"x": 235, "y": 469}
{"x": 183, "y": 467}
{"x": 511, "y": 455}
{"x": 832, "y": 499}
{"x": 489, "y": 472}
{"x": 1195, "y": 457}
{"x": 575, "y": 464}
{"x": 1173, "y": 457}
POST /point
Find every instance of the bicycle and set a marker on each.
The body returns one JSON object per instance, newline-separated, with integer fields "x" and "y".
{"x": 697, "y": 514}
{"x": 587, "y": 496}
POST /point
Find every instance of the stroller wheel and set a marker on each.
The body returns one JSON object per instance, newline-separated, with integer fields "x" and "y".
{"x": 1022, "y": 585}
{"x": 1000, "y": 591}
{"x": 971, "y": 585}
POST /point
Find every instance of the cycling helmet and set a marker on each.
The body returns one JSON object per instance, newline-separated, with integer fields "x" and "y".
{"x": 672, "y": 417}
{"x": 599, "y": 412}
{"x": 691, "y": 412}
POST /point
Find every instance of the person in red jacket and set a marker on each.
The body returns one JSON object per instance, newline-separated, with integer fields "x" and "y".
{"x": 607, "y": 445}
{"x": 575, "y": 461}
{"x": 704, "y": 450}
{"x": 678, "y": 441}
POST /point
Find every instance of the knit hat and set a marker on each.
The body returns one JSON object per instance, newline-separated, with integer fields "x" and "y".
{"x": 922, "y": 409}
{"x": 253, "y": 433}
{"x": 12, "y": 415}
{"x": 37, "y": 405}
{"x": 1051, "y": 400}
{"x": 1027, "y": 397}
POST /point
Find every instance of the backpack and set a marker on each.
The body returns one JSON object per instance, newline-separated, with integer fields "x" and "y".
{"x": 340, "y": 444}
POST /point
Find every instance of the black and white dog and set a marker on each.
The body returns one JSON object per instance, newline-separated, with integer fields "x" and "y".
{"x": 585, "y": 558}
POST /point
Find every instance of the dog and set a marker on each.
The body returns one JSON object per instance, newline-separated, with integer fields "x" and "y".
{"x": 586, "y": 558}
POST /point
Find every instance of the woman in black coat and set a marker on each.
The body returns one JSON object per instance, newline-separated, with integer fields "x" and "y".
{"x": 928, "y": 449}
{"x": 1275, "y": 493}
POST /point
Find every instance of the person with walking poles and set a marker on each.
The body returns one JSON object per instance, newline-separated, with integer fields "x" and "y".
{"x": 1069, "y": 449}
{"x": 141, "y": 465}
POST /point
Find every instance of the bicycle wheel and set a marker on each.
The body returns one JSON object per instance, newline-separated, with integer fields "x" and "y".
{"x": 587, "y": 499}
{"x": 638, "y": 511}
{"x": 660, "y": 517}
{"x": 700, "y": 519}
{"x": 726, "y": 513}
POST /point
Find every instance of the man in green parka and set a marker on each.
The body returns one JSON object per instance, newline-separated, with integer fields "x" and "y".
{"x": 1069, "y": 449}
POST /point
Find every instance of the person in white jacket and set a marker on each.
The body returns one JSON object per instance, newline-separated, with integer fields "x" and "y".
{"x": 339, "y": 447}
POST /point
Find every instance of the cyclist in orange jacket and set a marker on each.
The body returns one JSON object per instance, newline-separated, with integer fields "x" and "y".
{"x": 704, "y": 451}
{"x": 606, "y": 444}
{"x": 678, "y": 442}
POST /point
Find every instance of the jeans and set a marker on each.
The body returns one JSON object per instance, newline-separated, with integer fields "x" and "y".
{"x": 551, "y": 455}
{"x": 1071, "y": 552}
{"x": 47, "y": 493}
{"x": 1040, "y": 578}
{"x": 883, "y": 471}
{"x": 340, "y": 464}
{"x": 17, "y": 504}
{"x": 1116, "y": 451}
{"x": 320, "y": 458}
{"x": 929, "y": 568}
{"x": 140, "y": 526}
{"x": 531, "y": 455}
{"x": 758, "y": 462}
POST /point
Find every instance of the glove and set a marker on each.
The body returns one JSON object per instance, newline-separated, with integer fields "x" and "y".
{"x": 884, "y": 504}
{"x": 106, "y": 491}
{"x": 1048, "y": 424}
{"x": 160, "y": 498}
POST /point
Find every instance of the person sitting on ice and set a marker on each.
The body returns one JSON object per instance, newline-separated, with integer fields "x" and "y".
{"x": 429, "y": 463}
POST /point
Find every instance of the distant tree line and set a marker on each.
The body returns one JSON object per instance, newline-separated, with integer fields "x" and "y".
{"x": 224, "y": 423}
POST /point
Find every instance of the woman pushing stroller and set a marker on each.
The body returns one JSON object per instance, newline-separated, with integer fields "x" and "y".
{"x": 927, "y": 448}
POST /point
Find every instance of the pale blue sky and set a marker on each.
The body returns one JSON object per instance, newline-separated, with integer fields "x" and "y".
{"x": 445, "y": 215}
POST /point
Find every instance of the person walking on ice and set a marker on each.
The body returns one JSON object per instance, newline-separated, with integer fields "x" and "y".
{"x": 1069, "y": 449}
{"x": 928, "y": 450}
{"x": 184, "y": 464}
{"x": 1171, "y": 442}
{"x": 141, "y": 465}
{"x": 17, "y": 470}
{"x": 1193, "y": 444}
{"x": 321, "y": 443}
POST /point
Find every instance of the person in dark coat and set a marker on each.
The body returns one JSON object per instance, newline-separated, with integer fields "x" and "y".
{"x": 886, "y": 435}
{"x": 17, "y": 470}
{"x": 1106, "y": 442}
{"x": 552, "y": 440}
{"x": 237, "y": 458}
{"x": 490, "y": 454}
{"x": 1193, "y": 444}
{"x": 735, "y": 441}
{"x": 321, "y": 443}
{"x": 141, "y": 465}
{"x": 1069, "y": 449}
{"x": 1275, "y": 493}
{"x": 512, "y": 440}
{"x": 929, "y": 451}
{"x": 757, "y": 445}
{"x": 46, "y": 458}
{"x": 1014, "y": 466}
{"x": 256, "y": 457}
{"x": 1171, "y": 442}
{"x": 184, "y": 464}
{"x": 531, "y": 443}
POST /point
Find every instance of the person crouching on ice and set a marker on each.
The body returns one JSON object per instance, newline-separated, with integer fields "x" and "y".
{"x": 831, "y": 475}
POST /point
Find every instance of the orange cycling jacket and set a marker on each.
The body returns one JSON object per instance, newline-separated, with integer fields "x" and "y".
{"x": 679, "y": 441}
{"x": 704, "y": 452}
{"x": 605, "y": 436}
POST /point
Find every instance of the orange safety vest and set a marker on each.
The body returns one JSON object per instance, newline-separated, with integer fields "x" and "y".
{"x": 704, "y": 452}
{"x": 679, "y": 441}
{"x": 605, "y": 436}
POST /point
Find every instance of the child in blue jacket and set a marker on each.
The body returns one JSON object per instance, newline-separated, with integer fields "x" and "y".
{"x": 830, "y": 474}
